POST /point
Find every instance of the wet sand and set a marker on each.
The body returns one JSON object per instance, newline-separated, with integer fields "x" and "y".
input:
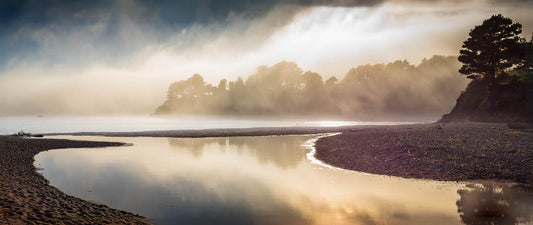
{"x": 453, "y": 152}
{"x": 27, "y": 198}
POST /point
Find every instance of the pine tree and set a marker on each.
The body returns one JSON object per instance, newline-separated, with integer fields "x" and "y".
{"x": 491, "y": 48}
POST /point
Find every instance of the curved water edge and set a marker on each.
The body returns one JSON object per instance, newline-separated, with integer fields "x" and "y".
{"x": 494, "y": 177}
{"x": 27, "y": 196}
{"x": 310, "y": 144}
{"x": 243, "y": 179}
{"x": 310, "y": 155}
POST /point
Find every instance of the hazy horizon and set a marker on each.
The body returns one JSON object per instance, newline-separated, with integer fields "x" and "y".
{"x": 118, "y": 57}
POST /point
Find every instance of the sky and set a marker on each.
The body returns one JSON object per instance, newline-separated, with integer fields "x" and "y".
{"x": 118, "y": 57}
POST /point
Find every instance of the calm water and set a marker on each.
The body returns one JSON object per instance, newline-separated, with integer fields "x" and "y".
{"x": 10, "y": 125}
{"x": 264, "y": 180}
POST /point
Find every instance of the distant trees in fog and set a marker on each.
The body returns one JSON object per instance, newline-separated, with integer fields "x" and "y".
{"x": 285, "y": 89}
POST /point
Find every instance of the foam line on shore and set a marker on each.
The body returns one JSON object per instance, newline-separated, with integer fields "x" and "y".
{"x": 310, "y": 145}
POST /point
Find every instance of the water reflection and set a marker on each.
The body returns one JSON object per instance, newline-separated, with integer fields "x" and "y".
{"x": 250, "y": 180}
{"x": 495, "y": 204}
{"x": 278, "y": 150}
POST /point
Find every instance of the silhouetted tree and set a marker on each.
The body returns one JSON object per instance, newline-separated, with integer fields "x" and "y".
{"x": 497, "y": 54}
{"x": 527, "y": 48}
{"x": 491, "y": 48}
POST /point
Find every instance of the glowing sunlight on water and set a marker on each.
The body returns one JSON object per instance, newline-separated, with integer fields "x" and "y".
{"x": 242, "y": 180}
{"x": 10, "y": 125}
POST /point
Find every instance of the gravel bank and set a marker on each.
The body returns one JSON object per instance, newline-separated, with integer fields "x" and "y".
{"x": 458, "y": 152}
{"x": 232, "y": 132}
{"x": 26, "y": 197}
{"x": 453, "y": 152}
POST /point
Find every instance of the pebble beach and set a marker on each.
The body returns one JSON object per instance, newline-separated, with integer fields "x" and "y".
{"x": 445, "y": 152}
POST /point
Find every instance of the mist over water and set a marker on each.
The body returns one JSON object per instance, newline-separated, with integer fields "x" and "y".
{"x": 133, "y": 65}
{"x": 39, "y": 125}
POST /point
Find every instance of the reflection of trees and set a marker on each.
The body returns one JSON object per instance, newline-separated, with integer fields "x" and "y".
{"x": 492, "y": 204}
{"x": 195, "y": 145}
{"x": 283, "y": 151}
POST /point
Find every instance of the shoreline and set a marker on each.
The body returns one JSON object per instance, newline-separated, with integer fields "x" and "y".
{"x": 469, "y": 151}
{"x": 230, "y": 132}
{"x": 27, "y": 198}
{"x": 450, "y": 152}
{"x": 462, "y": 152}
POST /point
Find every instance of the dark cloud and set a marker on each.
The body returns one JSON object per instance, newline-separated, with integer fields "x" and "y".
{"x": 184, "y": 12}
{"x": 26, "y": 26}
{"x": 21, "y": 20}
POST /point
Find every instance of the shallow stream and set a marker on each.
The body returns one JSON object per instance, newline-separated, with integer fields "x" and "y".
{"x": 265, "y": 180}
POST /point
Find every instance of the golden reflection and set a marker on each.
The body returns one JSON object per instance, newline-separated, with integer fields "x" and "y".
{"x": 276, "y": 150}
{"x": 259, "y": 180}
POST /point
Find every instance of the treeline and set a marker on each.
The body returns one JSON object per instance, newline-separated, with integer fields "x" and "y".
{"x": 368, "y": 91}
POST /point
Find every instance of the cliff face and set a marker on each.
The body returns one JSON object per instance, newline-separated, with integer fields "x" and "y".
{"x": 483, "y": 101}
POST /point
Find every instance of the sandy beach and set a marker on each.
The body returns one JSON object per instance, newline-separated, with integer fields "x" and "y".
{"x": 450, "y": 152}
{"x": 27, "y": 198}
